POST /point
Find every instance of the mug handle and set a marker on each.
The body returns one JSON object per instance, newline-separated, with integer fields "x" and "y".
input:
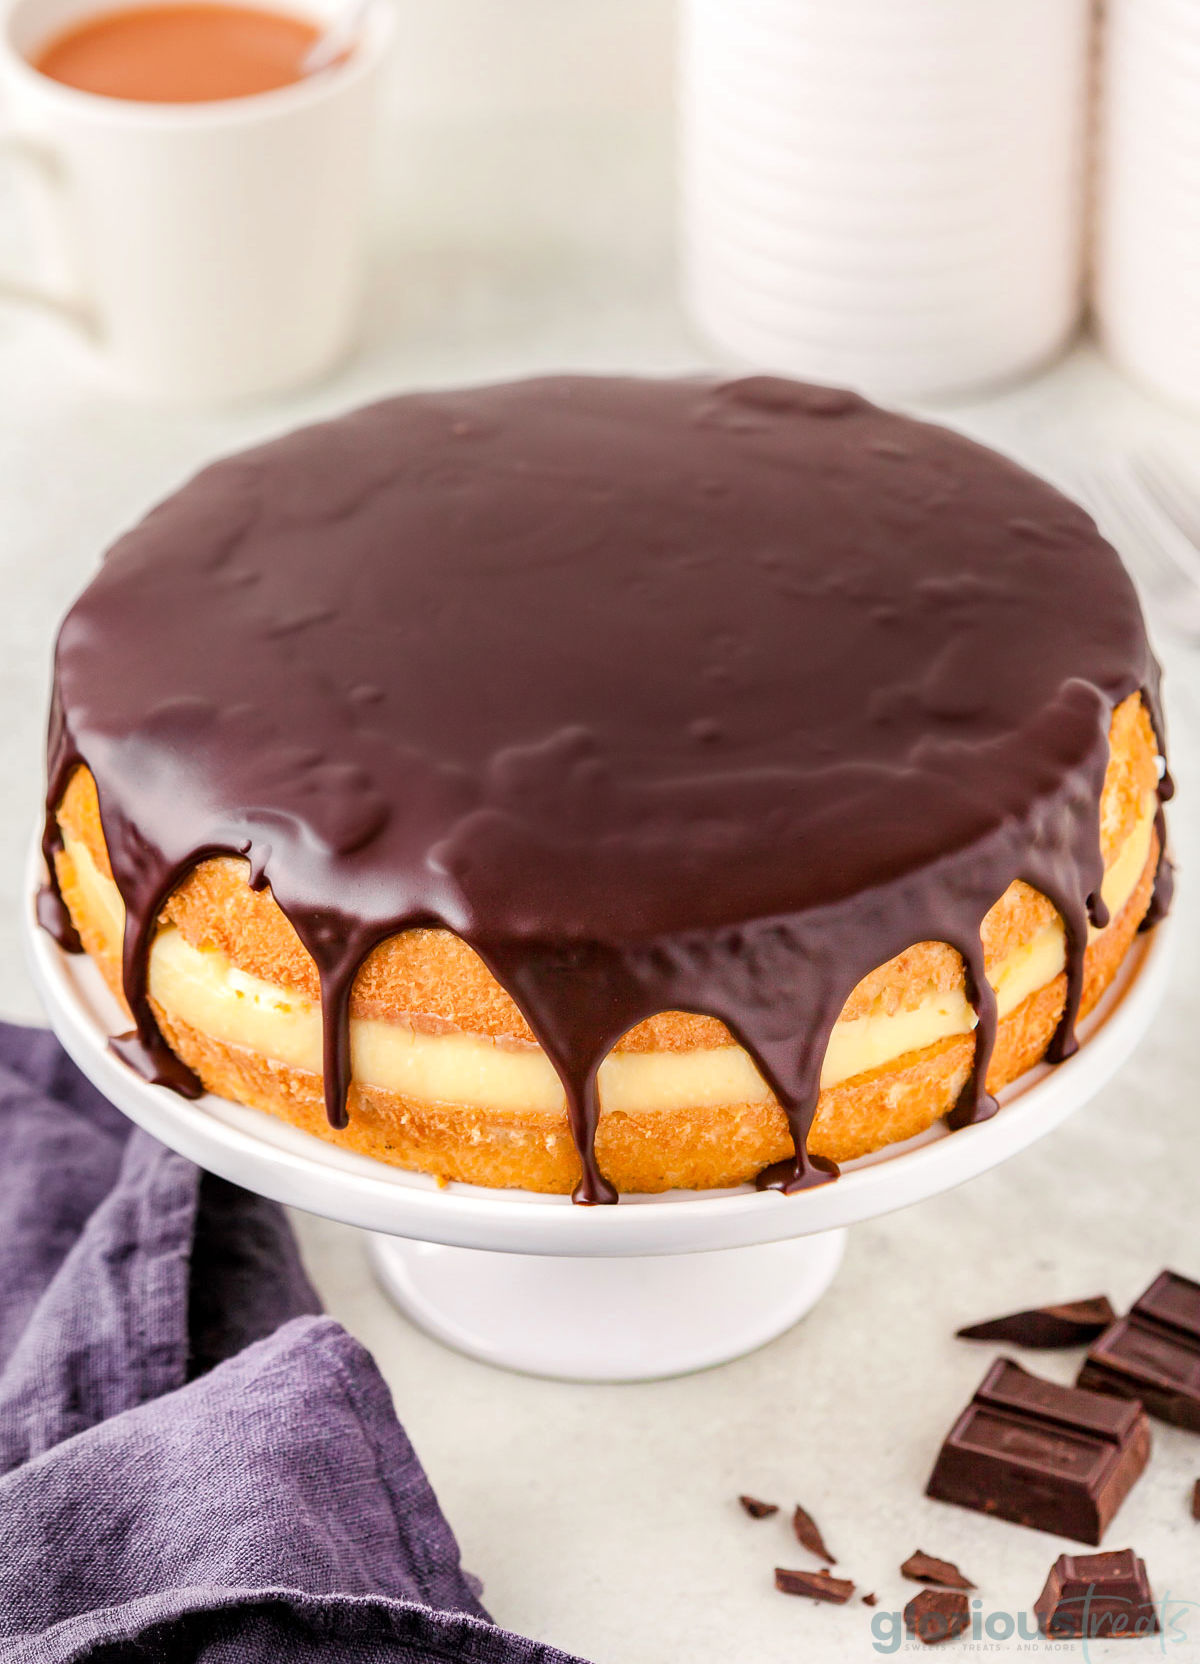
{"x": 42, "y": 163}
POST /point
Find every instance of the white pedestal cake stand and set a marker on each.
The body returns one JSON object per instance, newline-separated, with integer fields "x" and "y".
{"x": 657, "y": 1286}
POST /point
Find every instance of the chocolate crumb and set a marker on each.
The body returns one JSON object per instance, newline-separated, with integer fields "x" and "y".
{"x": 1073, "y": 1323}
{"x": 808, "y": 1535}
{"x": 758, "y": 1510}
{"x": 816, "y": 1585}
{"x": 937, "y": 1615}
{"x": 925, "y": 1568}
{"x": 1196, "y": 1500}
{"x": 870, "y": 1600}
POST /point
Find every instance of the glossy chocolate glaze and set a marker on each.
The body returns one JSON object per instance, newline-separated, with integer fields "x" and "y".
{"x": 661, "y": 694}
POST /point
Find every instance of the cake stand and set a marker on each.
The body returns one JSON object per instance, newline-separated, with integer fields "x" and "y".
{"x": 657, "y": 1286}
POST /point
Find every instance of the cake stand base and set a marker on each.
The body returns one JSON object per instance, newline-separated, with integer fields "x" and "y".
{"x": 631, "y": 1319}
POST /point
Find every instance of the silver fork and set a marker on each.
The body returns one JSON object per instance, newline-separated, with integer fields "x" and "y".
{"x": 1150, "y": 510}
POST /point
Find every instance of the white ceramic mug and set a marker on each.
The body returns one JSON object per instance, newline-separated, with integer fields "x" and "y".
{"x": 886, "y": 194}
{"x": 215, "y": 250}
{"x": 1147, "y": 256}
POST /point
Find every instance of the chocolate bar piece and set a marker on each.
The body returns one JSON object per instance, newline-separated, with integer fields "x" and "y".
{"x": 1154, "y": 1354}
{"x": 1092, "y": 1595}
{"x": 1046, "y": 1327}
{"x": 1054, "y": 1458}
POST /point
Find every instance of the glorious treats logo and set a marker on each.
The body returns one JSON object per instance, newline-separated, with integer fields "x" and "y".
{"x": 1091, "y": 1616}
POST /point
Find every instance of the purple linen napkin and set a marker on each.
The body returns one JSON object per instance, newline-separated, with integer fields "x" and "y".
{"x": 195, "y": 1466}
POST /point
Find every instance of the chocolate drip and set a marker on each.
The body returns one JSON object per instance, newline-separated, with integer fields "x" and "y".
{"x": 338, "y": 948}
{"x": 53, "y": 917}
{"x": 975, "y": 1102}
{"x": 1164, "y": 878}
{"x": 662, "y": 695}
{"x": 52, "y": 913}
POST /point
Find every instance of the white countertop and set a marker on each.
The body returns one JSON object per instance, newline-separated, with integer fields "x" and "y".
{"x": 526, "y": 222}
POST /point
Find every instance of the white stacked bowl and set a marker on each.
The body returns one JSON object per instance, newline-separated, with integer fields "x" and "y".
{"x": 885, "y": 193}
{"x": 1147, "y": 280}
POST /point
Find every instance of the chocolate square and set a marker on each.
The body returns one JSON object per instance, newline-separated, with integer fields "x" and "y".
{"x": 1088, "y": 1596}
{"x": 1153, "y": 1355}
{"x": 1054, "y": 1458}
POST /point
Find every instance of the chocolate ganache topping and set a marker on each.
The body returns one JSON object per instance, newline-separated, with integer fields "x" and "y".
{"x": 663, "y": 695}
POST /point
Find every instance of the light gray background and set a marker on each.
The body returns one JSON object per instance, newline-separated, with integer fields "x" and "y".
{"x": 526, "y": 222}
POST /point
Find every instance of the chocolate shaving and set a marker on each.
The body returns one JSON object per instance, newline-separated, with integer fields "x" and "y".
{"x": 808, "y": 1535}
{"x": 758, "y": 1510}
{"x": 937, "y": 1615}
{"x": 816, "y": 1585}
{"x": 870, "y": 1600}
{"x": 926, "y": 1568}
{"x": 1074, "y": 1323}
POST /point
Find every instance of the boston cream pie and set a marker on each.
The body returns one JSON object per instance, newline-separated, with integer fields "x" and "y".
{"x": 608, "y": 784}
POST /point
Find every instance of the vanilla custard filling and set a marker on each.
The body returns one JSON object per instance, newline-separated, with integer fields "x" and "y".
{"x": 203, "y": 989}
